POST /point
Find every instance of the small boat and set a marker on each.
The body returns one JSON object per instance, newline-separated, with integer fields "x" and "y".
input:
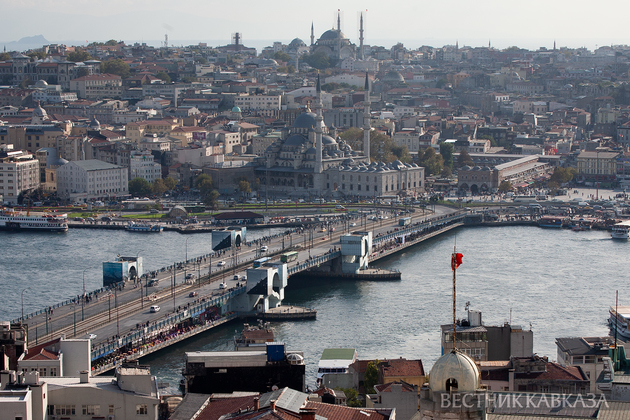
{"x": 143, "y": 227}
{"x": 619, "y": 319}
{"x": 551, "y": 221}
{"x": 620, "y": 230}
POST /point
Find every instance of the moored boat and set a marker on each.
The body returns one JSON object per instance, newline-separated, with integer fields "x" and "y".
{"x": 41, "y": 222}
{"x": 551, "y": 221}
{"x": 619, "y": 320}
{"x": 620, "y": 230}
{"x": 143, "y": 227}
{"x": 254, "y": 338}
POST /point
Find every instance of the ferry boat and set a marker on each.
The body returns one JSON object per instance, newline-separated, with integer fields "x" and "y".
{"x": 42, "y": 222}
{"x": 143, "y": 227}
{"x": 620, "y": 319}
{"x": 551, "y": 221}
{"x": 620, "y": 230}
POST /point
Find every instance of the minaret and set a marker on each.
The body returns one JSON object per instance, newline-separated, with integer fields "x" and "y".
{"x": 366, "y": 119}
{"x": 312, "y": 34}
{"x": 456, "y": 45}
{"x": 319, "y": 168}
{"x": 554, "y": 45}
{"x": 361, "y": 37}
{"x": 339, "y": 20}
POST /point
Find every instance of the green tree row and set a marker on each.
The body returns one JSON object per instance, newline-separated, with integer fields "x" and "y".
{"x": 140, "y": 187}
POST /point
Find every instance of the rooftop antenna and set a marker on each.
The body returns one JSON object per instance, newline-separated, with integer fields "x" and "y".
{"x": 165, "y": 40}
{"x": 456, "y": 260}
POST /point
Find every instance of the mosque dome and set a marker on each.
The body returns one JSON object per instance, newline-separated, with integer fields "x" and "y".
{"x": 393, "y": 76}
{"x": 454, "y": 369}
{"x": 305, "y": 120}
{"x": 40, "y": 112}
{"x": 41, "y": 84}
{"x": 297, "y": 42}
{"x": 236, "y": 109}
{"x": 95, "y": 124}
{"x": 331, "y": 35}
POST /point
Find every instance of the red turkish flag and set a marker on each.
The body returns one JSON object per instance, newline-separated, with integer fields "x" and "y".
{"x": 456, "y": 260}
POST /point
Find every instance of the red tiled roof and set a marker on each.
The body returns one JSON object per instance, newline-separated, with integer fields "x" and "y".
{"x": 555, "y": 372}
{"x": 43, "y": 355}
{"x": 219, "y": 407}
{"x": 402, "y": 367}
{"x": 339, "y": 412}
{"x": 104, "y": 76}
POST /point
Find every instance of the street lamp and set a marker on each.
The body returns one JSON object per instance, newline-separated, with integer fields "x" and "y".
{"x": 83, "y": 297}
{"x": 23, "y": 302}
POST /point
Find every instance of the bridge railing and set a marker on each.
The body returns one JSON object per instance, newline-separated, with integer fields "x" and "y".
{"x": 313, "y": 262}
{"x": 159, "y": 326}
{"x": 415, "y": 228}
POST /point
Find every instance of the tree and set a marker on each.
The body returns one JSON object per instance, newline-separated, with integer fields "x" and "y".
{"x": 446, "y": 172}
{"x": 164, "y": 76}
{"x": 115, "y": 66}
{"x": 319, "y": 60}
{"x": 243, "y": 187}
{"x": 446, "y": 150}
{"x": 170, "y": 183}
{"x": 282, "y": 56}
{"x": 77, "y": 56}
{"x": 505, "y": 186}
{"x": 464, "y": 159}
{"x": 563, "y": 175}
{"x": 371, "y": 376}
{"x": 111, "y": 43}
{"x": 291, "y": 69}
{"x": 432, "y": 162}
{"x": 37, "y": 55}
{"x": 139, "y": 187}
{"x": 204, "y": 184}
{"x": 159, "y": 187}
{"x": 82, "y": 72}
{"x": 211, "y": 198}
{"x": 351, "y": 396}
{"x": 5, "y": 56}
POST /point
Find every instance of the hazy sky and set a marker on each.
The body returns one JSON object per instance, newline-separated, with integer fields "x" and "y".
{"x": 528, "y": 24}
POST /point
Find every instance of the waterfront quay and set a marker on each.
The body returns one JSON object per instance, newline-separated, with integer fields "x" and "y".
{"x": 122, "y": 326}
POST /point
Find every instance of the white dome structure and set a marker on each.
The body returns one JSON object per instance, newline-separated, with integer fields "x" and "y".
{"x": 454, "y": 372}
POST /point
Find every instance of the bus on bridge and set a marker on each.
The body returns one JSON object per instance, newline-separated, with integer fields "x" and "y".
{"x": 261, "y": 261}
{"x": 288, "y": 257}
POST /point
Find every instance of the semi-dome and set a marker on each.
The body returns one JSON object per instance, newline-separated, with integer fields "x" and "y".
{"x": 236, "y": 109}
{"x": 40, "y": 112}
{"x": 305, "y": 120}
{"x": 295, "y": 140}
{"x": 328, "y": 140}
{"x": 454, "y": 371}
{"x": 41, "y": 83}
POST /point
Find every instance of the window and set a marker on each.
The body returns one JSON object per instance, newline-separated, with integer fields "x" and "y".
{"x": 141, "y": 409}
{"x": 111, "y": 409}
{"x": 53, "y": 371}
{"x": 91, "y": 410}
{"x": 65, "y": 410}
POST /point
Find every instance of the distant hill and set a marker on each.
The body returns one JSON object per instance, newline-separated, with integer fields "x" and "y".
{"x": 26, "y": 43}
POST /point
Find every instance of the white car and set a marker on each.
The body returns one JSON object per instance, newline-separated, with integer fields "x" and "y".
{"x": 221, "y": 264}
{"x": 154, "y": 309}
{"x": 222, "y": 286}
{"x": 264, "y": 248}
{"x": 353, "y": 224}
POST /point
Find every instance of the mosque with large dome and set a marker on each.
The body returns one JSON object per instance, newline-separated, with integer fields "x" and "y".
{"x": 334, "y": 43}
{"x": 310, "y": 161}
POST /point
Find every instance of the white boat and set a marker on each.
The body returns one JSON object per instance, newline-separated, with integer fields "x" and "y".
{"x": 620, "y": 319}
{"x": 42, "y": 222}
{"x": 143, "y": 227}
{"x": 620, "y": 230}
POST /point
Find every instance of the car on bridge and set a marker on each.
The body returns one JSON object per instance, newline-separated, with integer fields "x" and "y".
{"x": 190, "y": 276}
{"x": 221, "y": 264}
{"x": 264, "y": 248}
{"x": 192, "y": 294}
{"x": 154, "y": 309}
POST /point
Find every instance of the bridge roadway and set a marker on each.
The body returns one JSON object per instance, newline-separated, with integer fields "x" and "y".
{"x": 119, "y": 317}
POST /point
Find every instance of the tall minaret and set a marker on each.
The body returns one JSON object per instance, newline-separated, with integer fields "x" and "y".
{"x": 366, "y": 119}
{"x": 339, "y": 20}
{"x": 319, "y": 168}
{"x": 361, "y": 38}
{"x": 312, "y": 34}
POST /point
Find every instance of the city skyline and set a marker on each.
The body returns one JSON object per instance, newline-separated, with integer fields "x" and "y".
{"x": 499, "y": 23}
